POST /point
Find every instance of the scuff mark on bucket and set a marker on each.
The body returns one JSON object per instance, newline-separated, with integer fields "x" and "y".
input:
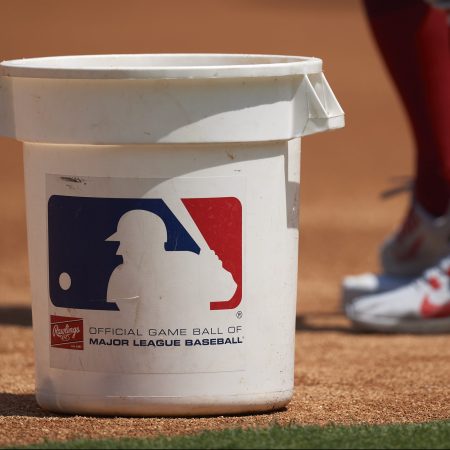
{"x": 73, "y": 179}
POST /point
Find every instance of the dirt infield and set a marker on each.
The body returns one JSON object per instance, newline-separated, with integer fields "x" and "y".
{"x": 341, "y": 377}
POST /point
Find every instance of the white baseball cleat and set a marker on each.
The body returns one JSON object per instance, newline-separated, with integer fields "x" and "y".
{"x": 354, "y": 286}
{"x": 421, "y": 306}
{"x": 421, "y": 242}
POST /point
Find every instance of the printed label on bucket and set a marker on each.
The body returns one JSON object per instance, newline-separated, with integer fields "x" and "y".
{"x": 66, "y": 332}
{"x": 152, "y": 269}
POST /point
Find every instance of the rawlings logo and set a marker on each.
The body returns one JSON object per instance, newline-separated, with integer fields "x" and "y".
{"x": 66, "y": 332}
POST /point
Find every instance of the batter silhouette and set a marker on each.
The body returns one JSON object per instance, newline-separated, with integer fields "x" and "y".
{"x": 152, "y": 276}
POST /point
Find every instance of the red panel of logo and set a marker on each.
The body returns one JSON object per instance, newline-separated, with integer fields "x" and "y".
{"x": 220, "y": 222}
{"x": 66, "y": 332}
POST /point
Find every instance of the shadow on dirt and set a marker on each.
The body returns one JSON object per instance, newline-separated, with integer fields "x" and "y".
{"x": 323, "y": 323}
{"x": 23, "y": 405}
{"x": 15, "y": 315}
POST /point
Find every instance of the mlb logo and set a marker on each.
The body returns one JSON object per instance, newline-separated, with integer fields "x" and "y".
{"x": 105, "y": 253}
{"x": 66, "y": 332}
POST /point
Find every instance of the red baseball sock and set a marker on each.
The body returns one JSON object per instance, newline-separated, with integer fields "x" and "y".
{"x": 413, "y": 38}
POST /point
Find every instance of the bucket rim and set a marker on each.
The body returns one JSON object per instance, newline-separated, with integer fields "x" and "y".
{"x": 161, "y": 66}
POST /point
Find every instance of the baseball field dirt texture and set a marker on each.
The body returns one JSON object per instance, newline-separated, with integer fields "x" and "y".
{"x": 341, "y": 377}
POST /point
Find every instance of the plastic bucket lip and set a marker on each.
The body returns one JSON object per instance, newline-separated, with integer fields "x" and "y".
{"x": 161, "y": 66}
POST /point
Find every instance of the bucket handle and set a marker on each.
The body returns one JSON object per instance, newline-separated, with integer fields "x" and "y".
{"x": 324, "y": 111}
{"x": 7, "y": 128}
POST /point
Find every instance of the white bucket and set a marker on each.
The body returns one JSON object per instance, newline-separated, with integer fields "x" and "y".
{"x": 162, "y": 210}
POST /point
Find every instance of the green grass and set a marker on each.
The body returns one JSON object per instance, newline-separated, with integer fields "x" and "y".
{"x": 428, "y": 435}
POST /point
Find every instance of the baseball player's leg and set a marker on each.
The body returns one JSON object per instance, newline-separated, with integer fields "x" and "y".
{"x": 413, "y": 39}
